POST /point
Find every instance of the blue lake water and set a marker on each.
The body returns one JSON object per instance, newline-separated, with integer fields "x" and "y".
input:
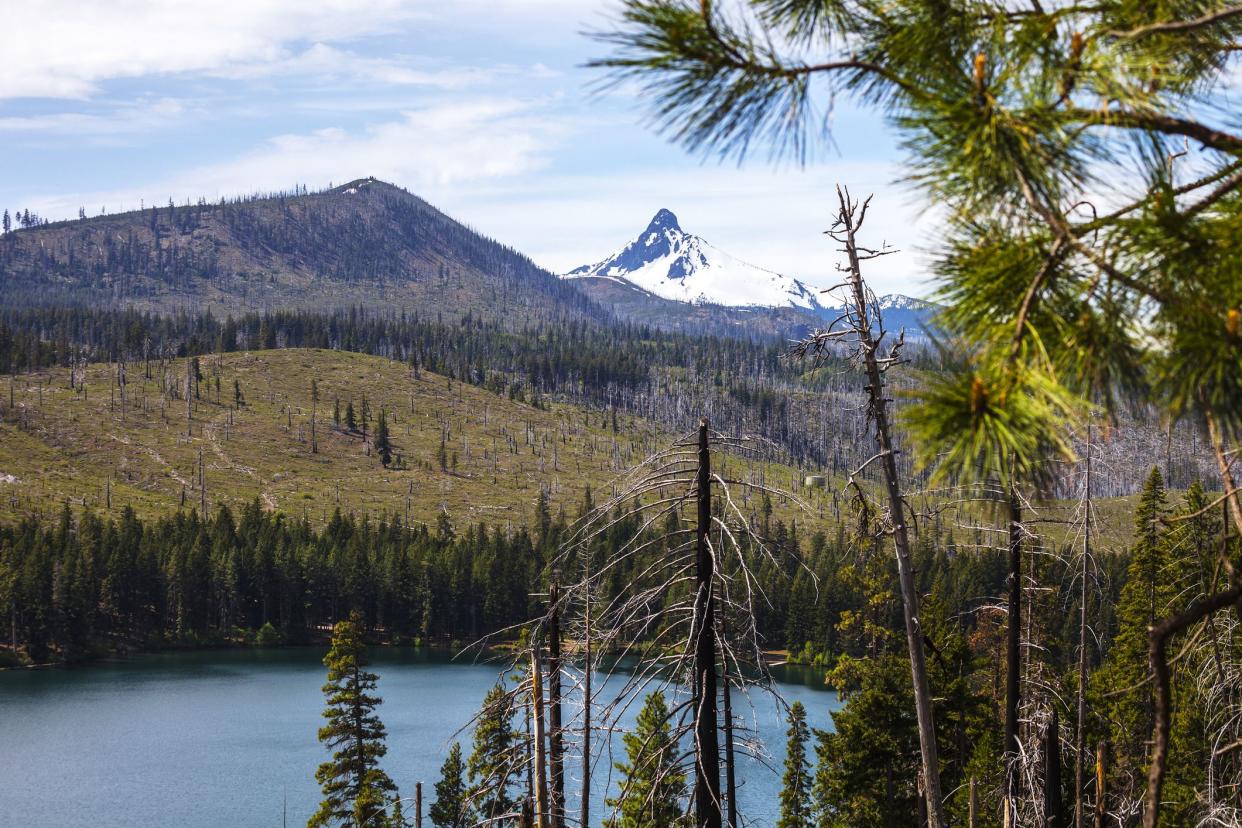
{"x": 228, "y": 738}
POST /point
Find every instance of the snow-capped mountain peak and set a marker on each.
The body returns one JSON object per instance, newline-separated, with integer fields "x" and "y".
{"x": 673, "y": 264}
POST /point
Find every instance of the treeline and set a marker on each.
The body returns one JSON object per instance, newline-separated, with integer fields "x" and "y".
{"x": 81, "y": 585}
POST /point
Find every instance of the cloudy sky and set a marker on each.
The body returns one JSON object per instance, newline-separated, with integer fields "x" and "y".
{"x": 483, "y": 107}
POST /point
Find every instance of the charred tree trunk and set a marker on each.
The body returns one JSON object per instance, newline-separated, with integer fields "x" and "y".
{"x": 1053, "y": 806}
{"x": 1080, "y": 724}
{"x": 897, "y": 510}
{"x": 706, "y": 743}
{"x": 1013, "y": 655}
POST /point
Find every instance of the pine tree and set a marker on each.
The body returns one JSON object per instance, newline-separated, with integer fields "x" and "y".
{"x": 355, "y": 788}
{"x": 492, "y": 764}
{"x": 796, "y": 790}
{"x": 314, "y": 414}
{"x": 867, "y": 767}
{"x": 1124, "y": 697}
{"x": 452, "y": 806}
{"x": 383, "y": 445}
{"x": 653, "y": 786}
{"x": 351, "y": 422}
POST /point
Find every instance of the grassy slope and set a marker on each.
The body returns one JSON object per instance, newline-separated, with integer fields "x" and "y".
{"x": 77, "y": 445}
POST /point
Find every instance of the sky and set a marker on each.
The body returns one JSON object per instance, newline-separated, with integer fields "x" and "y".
{"x": 483, "y": 107}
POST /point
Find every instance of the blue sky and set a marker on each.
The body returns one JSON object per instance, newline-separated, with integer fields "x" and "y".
{"x": 483, "y": 107}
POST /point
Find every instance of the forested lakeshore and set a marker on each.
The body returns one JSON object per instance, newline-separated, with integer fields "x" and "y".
{"x": 999, "y": 666}
{"x": 84, "y": 585}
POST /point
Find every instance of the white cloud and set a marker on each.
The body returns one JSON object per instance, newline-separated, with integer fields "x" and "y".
{"x": 322, "y": 61}
{"x": 486, "y": 163}
{"x": 65, "y": 48}
{"x": 431, "y": 148}
{"x": 125, "y": 119}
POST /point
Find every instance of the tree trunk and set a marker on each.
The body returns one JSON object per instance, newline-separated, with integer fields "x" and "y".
{"x": 1080, "y": 725}
{"x": 541, "y": 771}
{"x": 1101, "y": 783}
{"x": 586, "y": 706}
{"x": 189, "y": 398}
{"x": 730, "y": 767}
{"x": 1053, "y": 811}
{"x": 901, "y": 539}
{"x": 706, "y": 743}
{"x": 556, "y": 744}
{"x": 1013, "y": 655}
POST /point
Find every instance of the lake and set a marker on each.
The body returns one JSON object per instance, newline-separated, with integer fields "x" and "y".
{"x": 228, "y": 738}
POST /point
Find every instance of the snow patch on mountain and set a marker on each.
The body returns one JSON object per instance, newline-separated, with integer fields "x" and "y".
{"x": 673, "y": 264}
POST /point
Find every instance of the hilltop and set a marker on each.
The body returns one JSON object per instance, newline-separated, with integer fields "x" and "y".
{"x": 363, "y": 243}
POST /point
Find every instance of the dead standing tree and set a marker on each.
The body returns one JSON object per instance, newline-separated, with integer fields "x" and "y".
{"x": 680, "y": 616}
{"x": 861, "y": 328}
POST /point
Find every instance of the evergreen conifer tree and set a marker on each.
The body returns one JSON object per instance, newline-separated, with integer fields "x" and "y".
{"x": 653, "y": 786}
{"x": 868, "y": 767}
{"x": 383, "y": 445}
{"x": 452, "y": 806}
{"x": 492, "y": 763}
{"x": 1125, "y": 699}
{"x": 355, "y": 788}
{"x": 796, "y": 791}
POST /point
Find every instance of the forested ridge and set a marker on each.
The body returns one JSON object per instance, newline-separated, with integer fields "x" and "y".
{"x": 366, "y": 241}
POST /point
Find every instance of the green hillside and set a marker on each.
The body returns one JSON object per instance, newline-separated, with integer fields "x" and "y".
{"x": 85, "y": 446}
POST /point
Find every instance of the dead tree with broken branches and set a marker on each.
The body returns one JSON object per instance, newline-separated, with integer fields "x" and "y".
{"x": 860, "y": 330}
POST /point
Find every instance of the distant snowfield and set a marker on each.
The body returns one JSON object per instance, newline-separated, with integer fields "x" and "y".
{"x": 672, "y": 264}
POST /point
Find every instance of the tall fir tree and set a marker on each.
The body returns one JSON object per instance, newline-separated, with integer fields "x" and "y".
{"x": 493, "y": 762}
{"x": 355, "y": 789}
{"x": 796, "y": 788}
{"x": 383, "y": 444}
{"x": 653, "y": 785}
{"x": 452, "y": 806}
{"x": 1122, "y": 694}
{"x": 867, "y": 767}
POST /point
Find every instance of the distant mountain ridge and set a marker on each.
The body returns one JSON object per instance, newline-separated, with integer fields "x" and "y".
{"x": 365, "y": 243}
{"x": 666, "y": 264}
{"x": 368, "y": 243}
{"x": 673, "y": 264}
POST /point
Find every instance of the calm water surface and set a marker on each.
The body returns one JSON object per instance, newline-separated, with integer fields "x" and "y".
{"x": 227, "y": 738}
